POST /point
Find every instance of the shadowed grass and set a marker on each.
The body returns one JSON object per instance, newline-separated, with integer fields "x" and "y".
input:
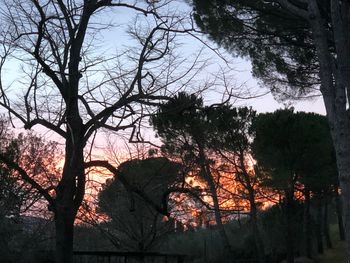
{"x": 337, "y": 254}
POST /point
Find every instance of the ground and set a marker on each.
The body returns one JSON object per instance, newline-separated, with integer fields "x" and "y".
{"x": 337, "y": 254}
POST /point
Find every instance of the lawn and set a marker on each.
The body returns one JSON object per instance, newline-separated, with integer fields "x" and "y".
{"x": 337, "y": 254}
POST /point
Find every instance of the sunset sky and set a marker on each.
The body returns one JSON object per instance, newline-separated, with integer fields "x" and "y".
{"x": 115, "y": 39}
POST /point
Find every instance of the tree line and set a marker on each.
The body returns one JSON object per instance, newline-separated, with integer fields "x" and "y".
{"x": 278, "y": 168}
{"x": 296, "y": 47}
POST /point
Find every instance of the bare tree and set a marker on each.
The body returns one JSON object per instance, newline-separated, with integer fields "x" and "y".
{"x": 74, "y": 87}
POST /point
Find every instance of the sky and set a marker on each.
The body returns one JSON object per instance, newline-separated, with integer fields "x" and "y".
{"x": 239, "y": 76}
{"x": 238, "y": 72}
{"x": 267, "y": 103}
{"x": 240, "y": 67}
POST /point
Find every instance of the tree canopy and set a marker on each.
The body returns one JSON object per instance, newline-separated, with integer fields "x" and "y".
{"x": 135, "y": 225}
{"x": 295, "y": 47}
{"x": 296, "y": 154}
{"x": 294, "y": 147}
{"x": 278, "y": 43}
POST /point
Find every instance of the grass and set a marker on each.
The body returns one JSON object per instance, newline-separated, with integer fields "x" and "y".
{"x": 337, "y": 254}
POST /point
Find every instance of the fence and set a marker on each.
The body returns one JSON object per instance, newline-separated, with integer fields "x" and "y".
{"x": 127, "y": 257}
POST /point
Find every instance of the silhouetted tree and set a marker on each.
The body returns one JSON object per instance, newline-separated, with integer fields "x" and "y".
{"x": 230, "y": 138}
{"x": 184, "y": 129}
{"x": 18, "y": 200}
{"x": 11, "y": 195}
{"x": 295, "y": 47}
{"x": 74, "y": 87}
{"x": 134, "y": 224}
{"x": 293, "y": 149}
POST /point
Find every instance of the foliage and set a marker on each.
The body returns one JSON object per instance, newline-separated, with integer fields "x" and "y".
{"x": 180, "y": 124}
{"x": 295, "y": 152}
{"x": 11, "y": 196}
{"x": 219, "y": 134}
{"x": 135, "y": 225}
{"x": 205, "y": 244}
{"x": 19, "y": 202}
{"x": 278, "y": 43}
{"x": 293, "y": 44}
{"x": 294, "y": 147}
{"x": 273, "y": 223}
{"x": 185, "y": 122}
{"x": 183, "y": 127}
{"x": 230, "y": 127}
{"x": 11, "y": 192}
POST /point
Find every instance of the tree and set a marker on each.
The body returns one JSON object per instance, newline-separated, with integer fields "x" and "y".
{"x": 297, "y": 44}
{"x": 134, "y": 224}
{"x": 277, "y": 42}
{"x": 319, "y": 175}
{"x": 11, "y": 195}
{"x": 18, "y": 200}
{"x": 183, "y": 127}
{"x": 221, "y": 134}
{"x": 230, "y": 138}
{"x": 74, "y": 88}
{"x": 41, "y": 160}
{"x": 293, "y": 149}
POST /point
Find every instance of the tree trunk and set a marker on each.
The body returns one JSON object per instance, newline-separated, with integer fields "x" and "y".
{"x": 71, "y": 188}
{"x": 64, "y": 223}
{"x": 307, "y": 225}
{"x": 256, "y": 232}
{"x": 326, "y": 224}
{"x": 335, "y": 84}
{"x": 319, "y": 227}
{"x": 341, "y": 139}
{"x": 227, "y": 247}
{"x": 343, "y": 152}
{"x": 228, "y": 253}
{"x": 338, "y": 208}
{"x": 289, "y": 226}
{"x": 245, "y": 179}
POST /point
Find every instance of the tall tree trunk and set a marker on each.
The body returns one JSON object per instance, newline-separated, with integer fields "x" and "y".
{"x": 326, "y": 224}
{"x": 227, "y": 247}
{"x": 244, "y": 178}
{"x": 335, "y": 86}
{"x": 289, "y": 226}
{"x": 307, "y": 225}
{"x": 256, "y": 232}
{"x": 212, "y": 188}
{"x": 64, "y": 223}
{"x": 319, "y": 227}
{"x": 338, "y": 209}
{"x": 343, "y": 161}
{"x": 68, "y": 200}
{"x": 70, "y": 191}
